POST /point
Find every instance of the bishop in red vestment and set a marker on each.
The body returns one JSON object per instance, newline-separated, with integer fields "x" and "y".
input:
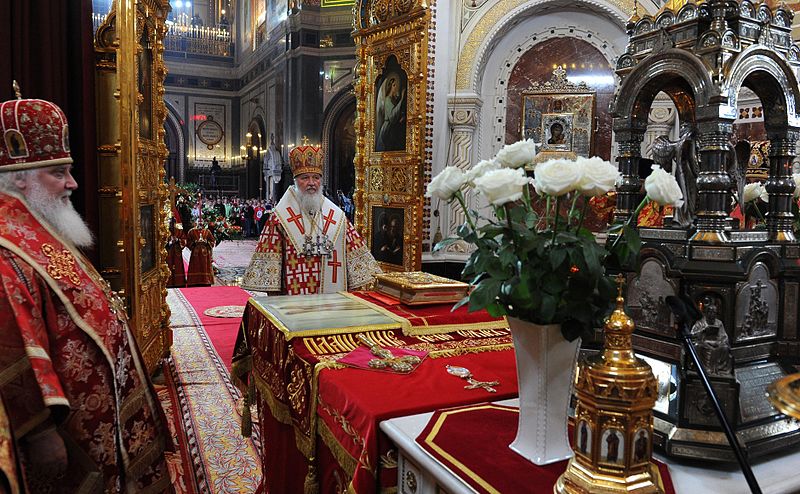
{"x": 84, "y": 417}
{"x": 307, "y": 245}
{"x": 201, "y": 242}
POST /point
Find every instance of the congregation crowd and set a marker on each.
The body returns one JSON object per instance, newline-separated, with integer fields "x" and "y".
{"x": 247, "y": 214}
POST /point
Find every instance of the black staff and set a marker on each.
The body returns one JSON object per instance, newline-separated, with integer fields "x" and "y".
{"x": 687, "y": 314}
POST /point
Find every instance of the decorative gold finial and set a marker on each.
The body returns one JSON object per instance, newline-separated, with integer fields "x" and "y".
{"x": 618, "y": 329}
{"x": 305, "y": 141}
{"x": 620, "y": 280}
{"x": 17, "y": 92}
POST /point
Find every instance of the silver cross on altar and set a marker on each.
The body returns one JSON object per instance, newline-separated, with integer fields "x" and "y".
{"x": 465, "y": 373}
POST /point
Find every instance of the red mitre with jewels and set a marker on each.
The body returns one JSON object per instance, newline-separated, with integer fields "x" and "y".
{"x": 306, "y": 158}
{"x": 33, "y": 134}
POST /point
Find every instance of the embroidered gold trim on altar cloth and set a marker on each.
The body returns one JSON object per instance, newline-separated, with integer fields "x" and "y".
{"x": 279, "y": 410}
{"x": 345, "y": 343}
{"x": 428, "y": 329}
{"x": 345, "y": 460}
{"x": 61, "y": 264}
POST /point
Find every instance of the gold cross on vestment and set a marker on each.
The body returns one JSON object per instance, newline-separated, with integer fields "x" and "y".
{"x": 305, "y": 140}
{"x": 386, "y": 358}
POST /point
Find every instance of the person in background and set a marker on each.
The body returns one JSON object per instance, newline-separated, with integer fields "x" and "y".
{"x": 175, "y": 245}
{"x": 258, "y": 212}
{"x": 201, "y": 242}
{"x": 248, "y": 219}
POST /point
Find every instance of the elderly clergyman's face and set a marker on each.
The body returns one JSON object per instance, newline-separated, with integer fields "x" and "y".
{"x": 308, "y": 182}
{"x": 308, "y": 186}
{"x": 47, "y": 191}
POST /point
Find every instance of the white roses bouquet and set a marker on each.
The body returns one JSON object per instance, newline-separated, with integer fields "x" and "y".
{"x": 753, "y": 194}
{"x": 535, "y": 261}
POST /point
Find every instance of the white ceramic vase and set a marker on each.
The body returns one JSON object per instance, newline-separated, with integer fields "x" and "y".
{"x": 545, "y": 373}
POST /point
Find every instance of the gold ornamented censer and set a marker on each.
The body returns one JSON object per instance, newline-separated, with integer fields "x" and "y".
{"x": 613, "y": 435}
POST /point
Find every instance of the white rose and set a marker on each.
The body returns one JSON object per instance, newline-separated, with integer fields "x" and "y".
{"x": 599, "y": 177}
{"x": 446, "y": 184}
{"x": 796, "y": 178}
{"x": 515, "y": 155}
{"x": 662, "y": 188}
{"x": 502, "y": 185}
{"x": 480, "y": 169}
{"x": 755, "y": 191}
{"x": 557, "y": 177}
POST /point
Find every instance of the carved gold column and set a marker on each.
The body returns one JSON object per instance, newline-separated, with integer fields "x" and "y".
{"x": 394, "y": 115}
{"x": 131, "y": 153}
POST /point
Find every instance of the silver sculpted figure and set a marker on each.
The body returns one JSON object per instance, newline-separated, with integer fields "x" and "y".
{"x": 682, "y": 153}
{"x": 712, "y": 340}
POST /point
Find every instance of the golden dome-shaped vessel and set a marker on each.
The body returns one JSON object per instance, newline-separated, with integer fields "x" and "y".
{"x": 613, "y": 434}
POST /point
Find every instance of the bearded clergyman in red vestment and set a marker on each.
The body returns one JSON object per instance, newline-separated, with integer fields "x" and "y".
{"x": 201, "y": 242}
{"x": 307, "y": 245}
{"x": 85, "y": 417}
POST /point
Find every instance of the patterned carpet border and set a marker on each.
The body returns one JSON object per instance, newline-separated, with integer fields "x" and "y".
{"x": 223, "y": 461}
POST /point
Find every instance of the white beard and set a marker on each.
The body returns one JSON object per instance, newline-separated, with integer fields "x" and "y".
{"x": 61, "y": 216}
{"x": 310, "y": 203}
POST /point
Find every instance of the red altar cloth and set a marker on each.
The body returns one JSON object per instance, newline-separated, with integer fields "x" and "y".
{"x": 353, "y": 402}
{"x": 463, "y": 438}
{"x": 282, "y": 374}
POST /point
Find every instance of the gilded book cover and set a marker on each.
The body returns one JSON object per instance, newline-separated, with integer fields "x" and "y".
{"x": 418, "y": 288}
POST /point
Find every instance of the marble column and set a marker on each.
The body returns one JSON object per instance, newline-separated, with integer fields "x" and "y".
{"x": 462, "y": 113}
{"x": 780, "y": 186}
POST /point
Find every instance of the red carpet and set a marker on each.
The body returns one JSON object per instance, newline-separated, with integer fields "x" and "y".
{"x": 213, "y": 457}
{"x": 221, "y": 331}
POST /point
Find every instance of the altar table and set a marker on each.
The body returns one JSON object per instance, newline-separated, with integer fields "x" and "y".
{"x": 319, "y": 419}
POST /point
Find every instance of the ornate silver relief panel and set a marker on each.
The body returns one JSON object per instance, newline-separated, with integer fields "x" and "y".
{"x": 647, "y": 298}
{"x": 756, "y": 306}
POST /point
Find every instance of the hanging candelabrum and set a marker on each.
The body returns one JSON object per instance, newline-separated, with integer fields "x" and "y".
{"x": 613, "y": 434}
